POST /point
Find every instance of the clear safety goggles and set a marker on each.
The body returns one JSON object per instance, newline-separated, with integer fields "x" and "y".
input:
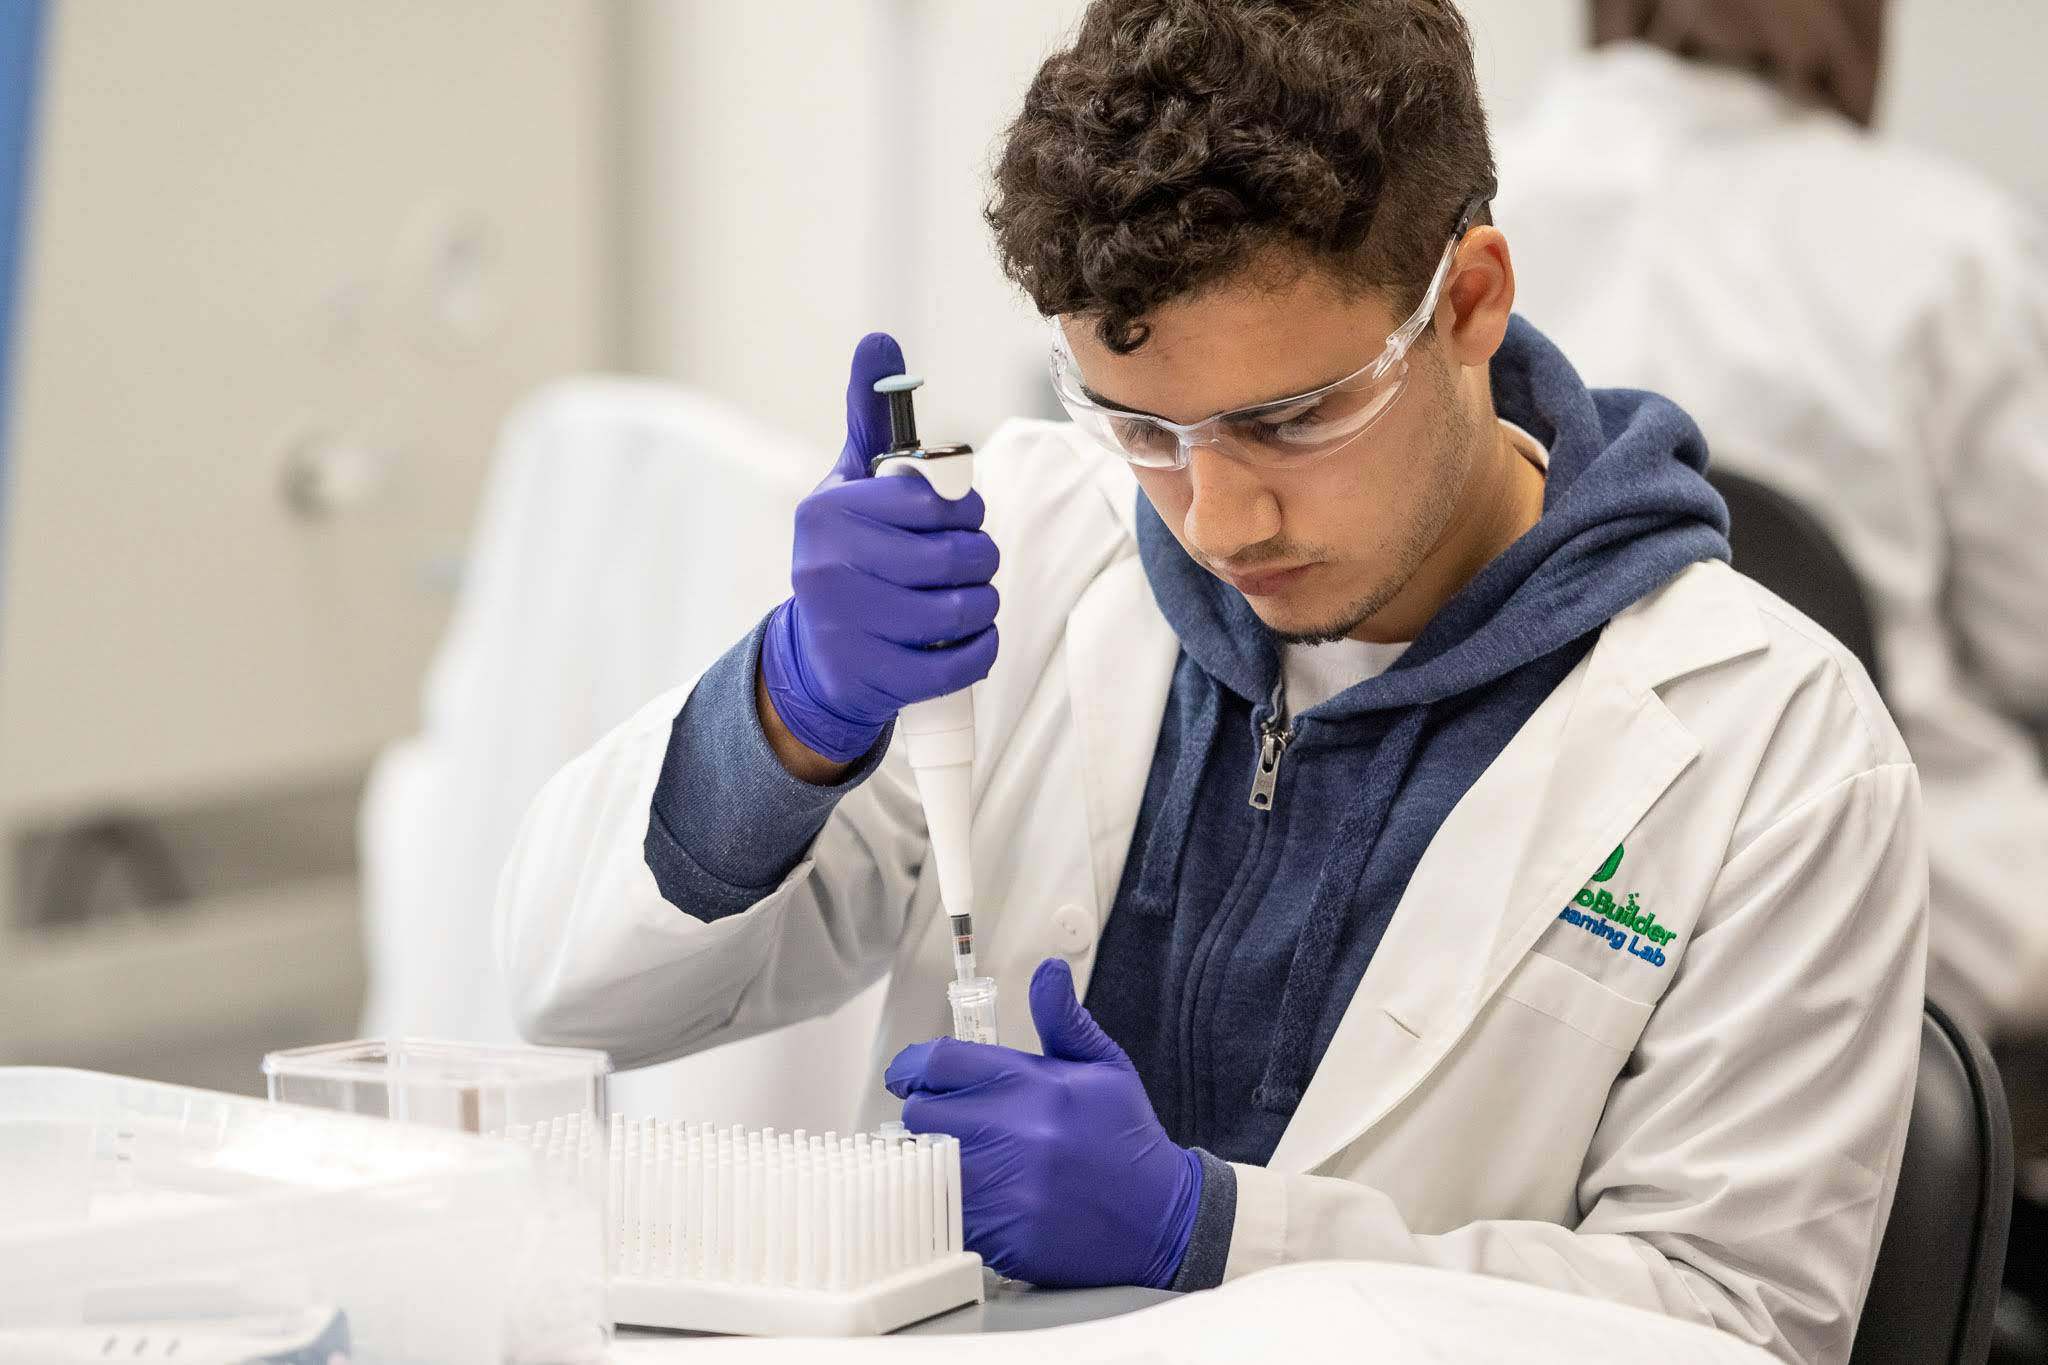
{"x": 1285, "y": 433}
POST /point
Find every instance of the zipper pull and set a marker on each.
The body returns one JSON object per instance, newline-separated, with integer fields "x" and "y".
{"x": 1273, "y": 742}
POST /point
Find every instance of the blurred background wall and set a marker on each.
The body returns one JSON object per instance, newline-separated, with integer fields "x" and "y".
{"x": 289, "y": 267}
{"x": 286, "y": 267}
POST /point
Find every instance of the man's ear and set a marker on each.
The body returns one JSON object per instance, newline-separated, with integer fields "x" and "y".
{"x": 1481, "y": 292}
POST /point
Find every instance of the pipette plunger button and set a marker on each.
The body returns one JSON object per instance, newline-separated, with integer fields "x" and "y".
{"x": 902, "y": 412}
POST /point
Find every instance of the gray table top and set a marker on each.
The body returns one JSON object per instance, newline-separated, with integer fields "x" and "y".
{"x": 1008, "y": 1307}
{"x": 1014, "y": 1307}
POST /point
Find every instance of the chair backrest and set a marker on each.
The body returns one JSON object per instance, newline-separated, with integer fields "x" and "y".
{"x": 1936, "y": 1287}
{"x": 1783, "y": 546}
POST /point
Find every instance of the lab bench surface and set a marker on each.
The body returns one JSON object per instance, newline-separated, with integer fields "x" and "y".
{"x": 1013, "y": 1307}
{"x": 1008, "y": 1307}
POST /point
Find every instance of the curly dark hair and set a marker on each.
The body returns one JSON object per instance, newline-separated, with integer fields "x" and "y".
{"x": 1175, "y": 140}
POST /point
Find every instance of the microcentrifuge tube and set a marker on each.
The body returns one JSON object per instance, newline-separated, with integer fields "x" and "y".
{"x": 974, "y": 1009}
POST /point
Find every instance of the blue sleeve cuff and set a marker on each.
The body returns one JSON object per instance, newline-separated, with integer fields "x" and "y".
{"x": 1201, "y": 1266}
{"x": 728, "y": 820}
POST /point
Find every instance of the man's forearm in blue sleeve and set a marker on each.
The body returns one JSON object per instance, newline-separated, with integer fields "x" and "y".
{"x": 728, "y": 820}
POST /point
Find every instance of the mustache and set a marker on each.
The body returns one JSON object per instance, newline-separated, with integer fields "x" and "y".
{"x": 1267, "y": 552}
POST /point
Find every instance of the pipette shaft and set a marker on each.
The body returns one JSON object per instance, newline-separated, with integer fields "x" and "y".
{"x": 939, "y": 735}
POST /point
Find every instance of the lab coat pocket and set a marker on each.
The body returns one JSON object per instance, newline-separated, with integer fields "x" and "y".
{"x": 1540, "y": 1059}
{"x": 1577, "y": 1001}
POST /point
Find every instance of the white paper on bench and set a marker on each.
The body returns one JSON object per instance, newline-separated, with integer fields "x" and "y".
{"x": 1350, "y": 1310}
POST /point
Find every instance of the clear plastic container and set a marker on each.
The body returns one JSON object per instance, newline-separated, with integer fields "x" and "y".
{"x": 126, "y": 1202}
{"x": 470, "y": 1087}
{"x": 548, "y": 1100}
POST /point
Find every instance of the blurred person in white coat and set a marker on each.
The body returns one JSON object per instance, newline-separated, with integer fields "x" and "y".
{"x": 1700, "y": 208}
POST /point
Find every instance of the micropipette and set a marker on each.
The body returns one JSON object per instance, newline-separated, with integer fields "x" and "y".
{"x": 939, "y": 734}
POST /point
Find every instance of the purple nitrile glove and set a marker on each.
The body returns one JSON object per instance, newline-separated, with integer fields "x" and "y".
{"x": 883, "y": 570}
{"x": 1068, "y": 1178}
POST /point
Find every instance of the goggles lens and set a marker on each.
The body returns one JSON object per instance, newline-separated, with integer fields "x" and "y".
{"x": 1294, "y": 432}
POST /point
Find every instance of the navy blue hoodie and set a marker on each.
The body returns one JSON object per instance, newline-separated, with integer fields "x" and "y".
{"x": 1239, "y": 935}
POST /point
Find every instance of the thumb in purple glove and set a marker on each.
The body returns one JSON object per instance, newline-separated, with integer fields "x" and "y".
{"x": 892, "y": 600}
{"x": 867, "y": 413}
{"x": 1069, "y": 1179}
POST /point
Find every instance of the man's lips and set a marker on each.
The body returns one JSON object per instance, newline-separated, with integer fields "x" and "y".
{"x": 1265, "y": 580}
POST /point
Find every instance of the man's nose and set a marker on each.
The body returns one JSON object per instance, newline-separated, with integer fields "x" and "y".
{"x": 1229, "y": 508}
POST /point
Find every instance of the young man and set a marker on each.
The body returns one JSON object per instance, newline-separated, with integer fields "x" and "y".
{"x": 1716, "y": 157}
{"x": 1462, "y": 863}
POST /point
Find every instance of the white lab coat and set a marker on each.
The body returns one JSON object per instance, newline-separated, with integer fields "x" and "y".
{"x": 612, "y": 502}
{"x": 1715, "y": 1138}
{"x": 1868, "y": 331}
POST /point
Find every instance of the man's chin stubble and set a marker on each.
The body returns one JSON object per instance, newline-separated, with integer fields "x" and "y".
{"x": 1340, "y": 629}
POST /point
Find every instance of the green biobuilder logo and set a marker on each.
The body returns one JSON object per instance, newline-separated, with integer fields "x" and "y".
{"x": 1611, "y": 866}
{"x": 1623, "y": 924}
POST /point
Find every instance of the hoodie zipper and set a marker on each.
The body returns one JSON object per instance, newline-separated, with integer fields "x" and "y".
{"x": 1276, "y": 732}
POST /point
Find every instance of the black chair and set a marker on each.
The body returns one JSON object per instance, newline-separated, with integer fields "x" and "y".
{"x": 1935, "y": 1292}
{"x": 1784, "y": 547}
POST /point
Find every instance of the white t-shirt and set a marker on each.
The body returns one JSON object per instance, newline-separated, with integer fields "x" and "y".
{"x": 1312, "y": 674}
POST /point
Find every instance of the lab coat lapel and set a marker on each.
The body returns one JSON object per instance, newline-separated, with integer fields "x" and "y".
{"x": 1120, "y": 658}
{"x": 1566, "y": 790}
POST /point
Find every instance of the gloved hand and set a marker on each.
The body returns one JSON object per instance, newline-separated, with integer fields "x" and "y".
{"x": 882, "y": 570}
{"x": 1068, "y": 1177}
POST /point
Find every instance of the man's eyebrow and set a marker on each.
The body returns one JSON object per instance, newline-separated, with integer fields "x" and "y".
{"x": 1113, "y": 406}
